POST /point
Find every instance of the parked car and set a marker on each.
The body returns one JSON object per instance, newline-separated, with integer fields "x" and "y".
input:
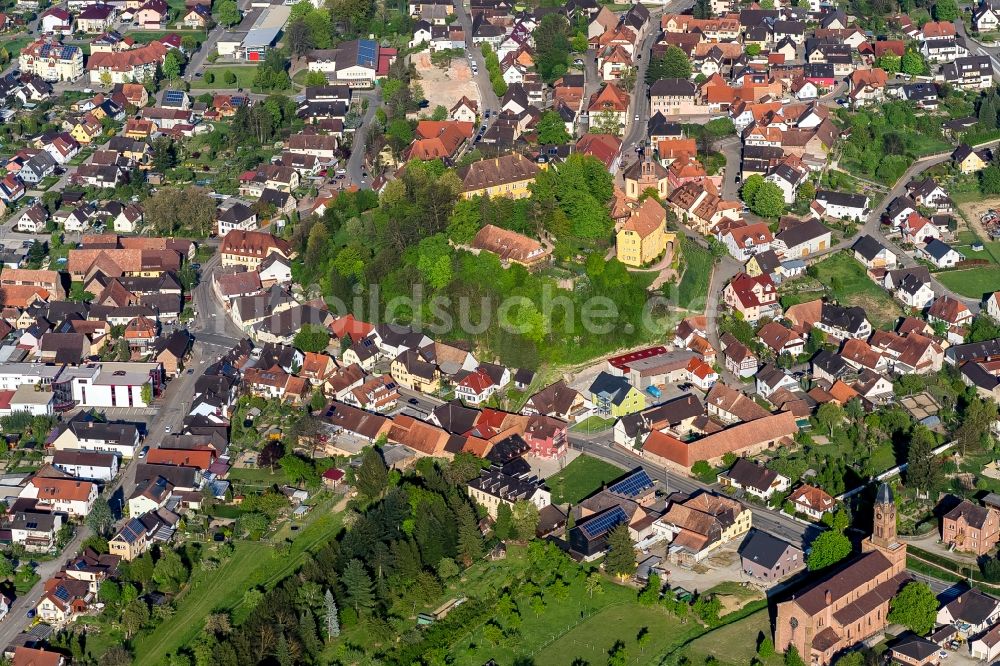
{"x": 142, "y": 454}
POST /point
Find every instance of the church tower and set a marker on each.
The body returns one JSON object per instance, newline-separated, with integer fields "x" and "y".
{"x": 884, "y": 532}
{"x": 883, "y": 536}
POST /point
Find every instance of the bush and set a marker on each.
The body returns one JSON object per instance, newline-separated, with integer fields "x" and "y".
{"x": 209, "y": 77}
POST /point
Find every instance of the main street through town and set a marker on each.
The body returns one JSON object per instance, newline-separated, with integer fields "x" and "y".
{"x": 213, "y": 333}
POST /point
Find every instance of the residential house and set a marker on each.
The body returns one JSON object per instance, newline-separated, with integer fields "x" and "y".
{"x": 753, "y": 297}
{"x": 971, "y": 528}
{"x": 941, "y": 254}
{"x": 768, "y": 558}
{"x": 968, "y": 160}
{"x": 841, "y": 205}
{"x": 754, "y": 479}
{"x": 614, "y": 396}
{"x": 811, "y": 501}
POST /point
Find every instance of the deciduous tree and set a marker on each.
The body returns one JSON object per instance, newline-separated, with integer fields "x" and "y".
{"x": 828, "y": 548}
{"x": 915, "y": 607}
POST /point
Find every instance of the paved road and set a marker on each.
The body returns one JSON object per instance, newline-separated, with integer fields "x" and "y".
{"x": 356, "y": 168}
{"x": 601, "y": 446}
{"x": 488, "y": 100}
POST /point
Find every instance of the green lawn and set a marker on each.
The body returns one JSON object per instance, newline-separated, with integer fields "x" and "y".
{"x": 692, "y": 293}
{"x": 848, "y": 283}
{"x": 581, "y": 478}
{"x": 972, "y": 283}
{"x": 244, "y": 77}
{"x": 14, "y": 46}
{"x": 593, "y": 424}
{"x": 256, "y": 475}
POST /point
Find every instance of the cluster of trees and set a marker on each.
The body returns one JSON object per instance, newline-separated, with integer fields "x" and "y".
{"x": 764, "y": 198}
{"x": 883, "y": 141}
{"x": 911, "y": 62}
{"x": 404, "y": 242}
{"x": 407, "y": 536}
{"x": 272, "y": 73}
{"x": 308, "y": 28}
{"x": 261, "y": 123}
{"x": 174, "y": 210}
{"x": 552, "y": 46}
{"x": 673, "y": 64}
{"x": 493, "y": 67}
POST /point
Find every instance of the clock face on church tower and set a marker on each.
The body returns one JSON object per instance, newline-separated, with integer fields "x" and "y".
{"x": 878, "y": 515}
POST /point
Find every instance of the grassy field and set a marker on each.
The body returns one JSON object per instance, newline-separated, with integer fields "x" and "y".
{"x": 244, "y": 77}
{"x": 591, "y": 641}
{"x": 209, "y": 591}
{"x": 580, "y": 478}
{"x": 846, "y": 281}
{"x": 972, "y": 283}
{"x": 734, "y": 643}
{"x": 692, "y": 292}
{"x": 252, "y": 564}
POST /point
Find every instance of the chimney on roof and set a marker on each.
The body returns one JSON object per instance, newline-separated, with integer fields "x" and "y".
{"x": 829, "y": 598}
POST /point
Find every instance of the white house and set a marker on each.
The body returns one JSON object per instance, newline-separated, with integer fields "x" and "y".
{"x": 800, "y": 240}
{"x": 985, "y": 19}
{"x": 841, "y": 205}
{"x": 986, "y": 647}
{"x": 912, "y": 286}
{"x": 121, "y": 439}
{"x": 754, "y": 479}
{"x": 974, "y": 611}
{"x": 941, "y": 254}
{"x": 90, "y": 465}
{"x": 33, "y": 220}
{"x": 993, "y": 305}
{"x": 71, "y": 496}
{"x": 872, "y": 254}
{"x": 788, "y": 178}
{"x": 746, "y": 241}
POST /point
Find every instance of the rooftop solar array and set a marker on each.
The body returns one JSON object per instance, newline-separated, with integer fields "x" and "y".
{"x": 632, "y": 485}
{"x": 602, "y": 523}
{"x": 367, "y": 52}
{"x": 173, "y": 97}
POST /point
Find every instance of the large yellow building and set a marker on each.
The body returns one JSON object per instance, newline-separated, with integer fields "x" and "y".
{"x": 504, "y": 176}
{"x": 644, "y": 236}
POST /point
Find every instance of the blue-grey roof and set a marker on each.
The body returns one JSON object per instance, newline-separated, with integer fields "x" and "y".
{"x": 937, "y": 249}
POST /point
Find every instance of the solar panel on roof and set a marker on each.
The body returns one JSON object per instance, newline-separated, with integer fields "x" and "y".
{"x": 367, "y": 51}
{"x": 632, "y": 485}
{"x": 604, "y": 522}
{"x": 173, "y": 97}
{"x": 62, "y": 593}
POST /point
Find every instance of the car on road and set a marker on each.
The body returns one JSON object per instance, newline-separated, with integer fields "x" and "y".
{"x": 341, "y": 171}
{"x": 578, "y": 62}
{"x": 166, "y": 429}
{"x": 190, "y": 371}
{"x": 142, "y": 454}
{"x": 413, "y": 401}
{"x": 341, "y": 176}
{"x": 197, "y": 74}
{"x": 637, "y": 117}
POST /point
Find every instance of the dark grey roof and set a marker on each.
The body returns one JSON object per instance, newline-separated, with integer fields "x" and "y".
{"x": 748, "y": 473}
{"x": 937, "y": 249}
{"x": 672, "y": 88}
{"x": 972, "y": 606}
{"x": 842, "y": 198}
{"x": 830, "y": 363}
{"x": 916, "y": 648}
{"x": 849, "y": 319}
{"x": 884, "y": 495}
{"x": 803, "y": 232}
{"x": 763, "y": 549}
{"x": 868, "y": 247}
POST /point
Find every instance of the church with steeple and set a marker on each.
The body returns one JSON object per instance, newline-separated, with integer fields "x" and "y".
{"x": 852, "y": 603}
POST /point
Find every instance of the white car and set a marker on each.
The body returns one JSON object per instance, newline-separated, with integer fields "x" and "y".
{"x": 166, "y": 429}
